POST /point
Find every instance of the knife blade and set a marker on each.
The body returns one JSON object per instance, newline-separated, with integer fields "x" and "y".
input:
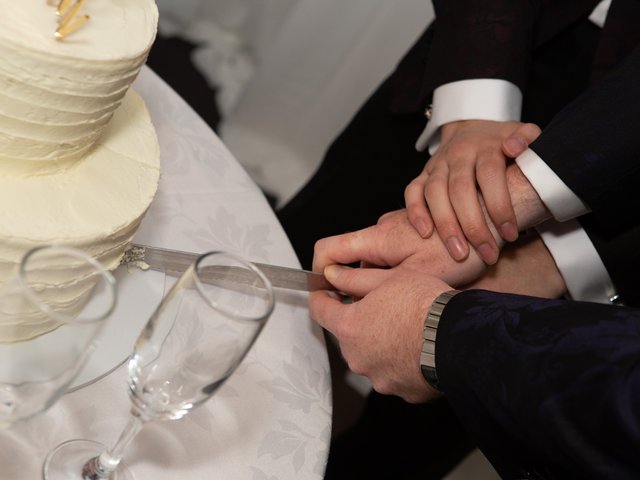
{"x": 175, "y": 262}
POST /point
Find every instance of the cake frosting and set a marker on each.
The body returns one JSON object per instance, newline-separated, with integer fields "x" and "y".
{"x": 79, "y": 156}
{"x": 56, "y": 97}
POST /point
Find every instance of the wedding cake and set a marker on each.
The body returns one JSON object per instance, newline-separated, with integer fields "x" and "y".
{"x": 79, "y": 156}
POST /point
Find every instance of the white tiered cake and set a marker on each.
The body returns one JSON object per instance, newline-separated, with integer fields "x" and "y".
{"x": 79, "y": 157}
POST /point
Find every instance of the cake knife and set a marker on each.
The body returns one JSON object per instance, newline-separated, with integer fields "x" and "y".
{"x": 174, "y": 262}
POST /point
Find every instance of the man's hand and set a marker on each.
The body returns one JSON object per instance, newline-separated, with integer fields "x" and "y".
{"x": 380, "y": 336}
{"x": 472, "y": 156}
{"x": 393, "y": 242}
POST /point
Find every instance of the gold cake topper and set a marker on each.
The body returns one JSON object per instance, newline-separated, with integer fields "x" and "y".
{"x": 68, "y": 19}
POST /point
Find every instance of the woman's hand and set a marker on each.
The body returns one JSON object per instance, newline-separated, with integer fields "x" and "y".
{"x": 462, "y": 179}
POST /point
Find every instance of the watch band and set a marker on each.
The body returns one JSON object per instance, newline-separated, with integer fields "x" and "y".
{"x": 428, "y": 354}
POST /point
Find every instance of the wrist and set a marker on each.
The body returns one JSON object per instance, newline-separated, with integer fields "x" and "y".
{"x": 449, "y": 129}
{"x": 430, "y": 331}
{"x": 529, "y": 208}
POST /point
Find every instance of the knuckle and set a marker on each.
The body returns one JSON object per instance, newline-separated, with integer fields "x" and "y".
{"x": 491, "y": 160}
{"x": 385, "y": 217}
{"x": 341, "y": 331}
{"x": 434, "y": 186}
{"x": 475, "y": 231}
{"x": 459, "y": 149}
{"x": 383, "y": 386}
{"x": 460, "y": 186}
{"x": 414, "y": 212}
{"x": 320, "y": 245}
{"x": 446, "y": 225}
{"x": 319, "y": 248}
{"x": 356, "y": 366}
{"x": 413, "y": 188}
{"x": 500, "y": 210}
{"x": 491, "y": 174}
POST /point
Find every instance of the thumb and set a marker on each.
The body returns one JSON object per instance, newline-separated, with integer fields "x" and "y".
{"x": 514, "y": 146}
{"x": 519, "y": 140}
{"x": 357, "y": 282}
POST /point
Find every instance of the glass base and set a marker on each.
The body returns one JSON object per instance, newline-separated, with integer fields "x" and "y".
{"x": 65, "y": 462}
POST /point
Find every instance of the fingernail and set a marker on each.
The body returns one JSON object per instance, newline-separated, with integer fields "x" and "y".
{"x": 330, "y": 271}
{"x": 487, "y": 253}
{"x": 421, "y": 227}
{"x": 509, "y": 231}
{"x": 515, "y": 145}
{"x": 456, "y": 250}
{"x": 333, "y": 270}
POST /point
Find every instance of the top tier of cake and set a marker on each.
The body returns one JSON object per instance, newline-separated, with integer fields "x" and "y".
{"x": 56, "y": 97}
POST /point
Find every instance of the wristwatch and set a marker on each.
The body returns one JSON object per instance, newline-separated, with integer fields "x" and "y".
{"x": 428, "y": 354}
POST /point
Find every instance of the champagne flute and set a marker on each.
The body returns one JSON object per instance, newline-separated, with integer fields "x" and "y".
{"x": 50, "y": 313}
{"x": 192, "y": 343}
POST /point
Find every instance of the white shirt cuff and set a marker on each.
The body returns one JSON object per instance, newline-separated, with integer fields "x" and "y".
{"x": 578, "y": 261}
{"x": 478, "y": 99}
{"x": 599, "y": 14}
{"x": 554, "y": 193}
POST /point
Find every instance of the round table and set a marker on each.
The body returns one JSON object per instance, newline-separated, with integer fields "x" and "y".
{"x": 272, "y": 419}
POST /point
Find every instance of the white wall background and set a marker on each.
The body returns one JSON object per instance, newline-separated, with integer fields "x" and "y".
{"x": 292, "y": 72}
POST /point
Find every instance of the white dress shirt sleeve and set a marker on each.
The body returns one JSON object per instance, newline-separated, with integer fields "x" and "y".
{"x": 583, "y": 272}
{"x": 554, "y": 193}
{"x": 577, "y": 260}
{"x": 581, "y": 267}
{"x": 599, "y": 14}
{"x": 480, "y": 99}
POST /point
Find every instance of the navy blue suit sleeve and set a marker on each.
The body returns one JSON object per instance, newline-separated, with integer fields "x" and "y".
{"x": 548, "y": 386}
{"x": 620, "y": 255}
{"x": 592, "y": 146}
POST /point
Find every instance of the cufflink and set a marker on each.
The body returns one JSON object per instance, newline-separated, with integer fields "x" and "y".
{"x": 428, "y": 112}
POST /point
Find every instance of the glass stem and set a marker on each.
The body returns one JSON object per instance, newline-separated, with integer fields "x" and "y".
{"x": 107, "y": 462}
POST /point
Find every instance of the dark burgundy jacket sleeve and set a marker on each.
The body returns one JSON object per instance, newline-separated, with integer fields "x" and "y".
{"x": 471, "y": 39}
{"x": 494, "y": 39}
{"x": 548, "y": 388}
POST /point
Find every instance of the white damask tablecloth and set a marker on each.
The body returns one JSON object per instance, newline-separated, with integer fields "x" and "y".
{"x": 272, "y": 419}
